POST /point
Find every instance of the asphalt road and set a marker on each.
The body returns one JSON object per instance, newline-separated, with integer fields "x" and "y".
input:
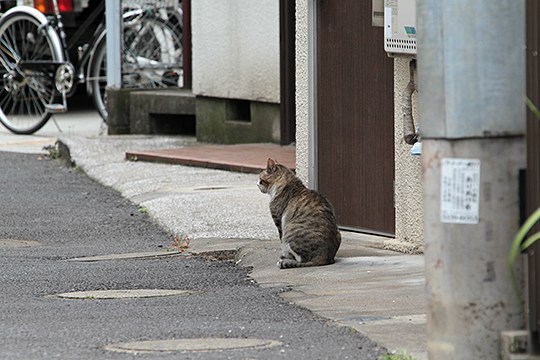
{"x": 71, "y": 216}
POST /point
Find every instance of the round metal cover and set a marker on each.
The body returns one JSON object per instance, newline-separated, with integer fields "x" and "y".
{"x": 193, "y": 345}
{"x": 124, "y": 294}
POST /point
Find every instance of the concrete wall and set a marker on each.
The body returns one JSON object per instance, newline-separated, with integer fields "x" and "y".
{"x": 409, "y": 207}
{"x": 235, "y": 49}
{"x": 302, "y": 91}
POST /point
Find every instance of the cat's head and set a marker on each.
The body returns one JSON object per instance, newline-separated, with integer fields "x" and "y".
{"x": 272, "y": 176}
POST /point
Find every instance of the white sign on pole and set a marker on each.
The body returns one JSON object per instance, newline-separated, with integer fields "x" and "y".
{"x": 460, "y": 191}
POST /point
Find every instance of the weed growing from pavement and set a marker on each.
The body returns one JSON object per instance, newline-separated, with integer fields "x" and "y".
{"x": 400, "y": 355}
{"x": 53, "y": 152}
{"x": 180, "y": 242}
{"x": 142, "y": 210}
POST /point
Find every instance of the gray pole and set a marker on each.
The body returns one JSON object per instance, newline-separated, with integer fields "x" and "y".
{"x": 113, "y": 19}
{"x": 471, "y": 69}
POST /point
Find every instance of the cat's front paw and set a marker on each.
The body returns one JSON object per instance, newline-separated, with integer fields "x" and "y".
{"x": 281, "y": 263}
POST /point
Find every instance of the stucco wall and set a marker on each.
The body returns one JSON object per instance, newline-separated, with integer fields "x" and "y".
{"x": 235, "y": 49}
{"x": 408, "y": 174}
{"x": 302, "y": 107}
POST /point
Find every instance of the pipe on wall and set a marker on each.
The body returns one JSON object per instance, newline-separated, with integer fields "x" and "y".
{"x": 410, "y": 134}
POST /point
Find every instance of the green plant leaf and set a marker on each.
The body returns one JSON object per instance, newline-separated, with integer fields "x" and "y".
{"x": 519, "y": 244}
{"x": 402, "y": 355}
{"x": 520, "y": 236}
{"x": 532, "y": 107}
{"x": 530, "y": 240}
{"x": 143, "y": 210}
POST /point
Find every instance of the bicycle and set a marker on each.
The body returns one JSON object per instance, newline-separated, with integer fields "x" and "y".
{"x": 37, "y": 76}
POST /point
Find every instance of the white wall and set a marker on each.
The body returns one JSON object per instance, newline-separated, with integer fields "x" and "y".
{"x": 235, "y": 49}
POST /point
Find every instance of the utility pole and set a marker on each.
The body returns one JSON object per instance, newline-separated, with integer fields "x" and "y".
{"x": 471, "y": 69}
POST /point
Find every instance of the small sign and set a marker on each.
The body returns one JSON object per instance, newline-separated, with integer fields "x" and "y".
{"x": 460, "y": 191}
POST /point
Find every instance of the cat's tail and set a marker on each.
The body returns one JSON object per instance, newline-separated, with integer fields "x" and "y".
{"x": 292, "y": 263}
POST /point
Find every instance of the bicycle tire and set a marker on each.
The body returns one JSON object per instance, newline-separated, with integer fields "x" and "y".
{"x": 144, "y": 65}
{"x": 24, "y": 36}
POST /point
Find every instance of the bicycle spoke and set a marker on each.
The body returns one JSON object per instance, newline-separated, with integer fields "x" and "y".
{"x": 28, "y": 104}
{"x": 14, "y": 35}
{"x": 5, "y": 102}
{"x": 8, "y": 49}
{"x": 38, "y": 106}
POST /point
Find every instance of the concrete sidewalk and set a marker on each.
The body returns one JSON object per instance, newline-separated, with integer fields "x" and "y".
{"x": 377, "y": 292}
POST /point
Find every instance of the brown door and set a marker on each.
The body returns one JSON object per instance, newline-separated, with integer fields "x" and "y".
{"x": 186, "y": 42}
{"x": 533, "y": 170}
{"x": 287, "y": 70}
{"x": 355, "y": 131}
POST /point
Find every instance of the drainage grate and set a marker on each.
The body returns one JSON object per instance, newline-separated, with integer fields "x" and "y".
{"x": 192, "y": 345}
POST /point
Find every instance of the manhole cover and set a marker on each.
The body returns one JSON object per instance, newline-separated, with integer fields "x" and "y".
{"x": 128, "y": 256}
{"x": 193, "y": 345}
{"x": 18, "y": 243}
{"x": 124, "y": 294}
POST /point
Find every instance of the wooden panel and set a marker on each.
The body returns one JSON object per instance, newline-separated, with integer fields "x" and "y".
{"x": 355, "y": 116}
{"x": 287, "y": 71}
{"x": 533, "y": 165}
{"x": 186, "y": 42}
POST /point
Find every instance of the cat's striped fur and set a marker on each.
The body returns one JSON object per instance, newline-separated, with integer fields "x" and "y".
{"x": 304, "y": 218}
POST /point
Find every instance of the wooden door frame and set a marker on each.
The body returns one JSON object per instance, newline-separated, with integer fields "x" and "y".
{"x": 532, "y": 200}
{"x": 287, "y": 65}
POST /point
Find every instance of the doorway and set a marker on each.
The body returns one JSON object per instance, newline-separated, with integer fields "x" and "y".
{"x": 354, "y": 116}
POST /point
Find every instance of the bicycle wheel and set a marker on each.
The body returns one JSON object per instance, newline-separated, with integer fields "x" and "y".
{"x": 97, "y": 78}
{"x": 152, "y": 58}
{"x": 24, "y": 95}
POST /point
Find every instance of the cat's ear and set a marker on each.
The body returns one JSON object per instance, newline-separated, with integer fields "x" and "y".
{"x": 270, "y": 163}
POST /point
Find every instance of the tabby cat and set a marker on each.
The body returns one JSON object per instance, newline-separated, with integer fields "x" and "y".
{"x": 304, "y": 218}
